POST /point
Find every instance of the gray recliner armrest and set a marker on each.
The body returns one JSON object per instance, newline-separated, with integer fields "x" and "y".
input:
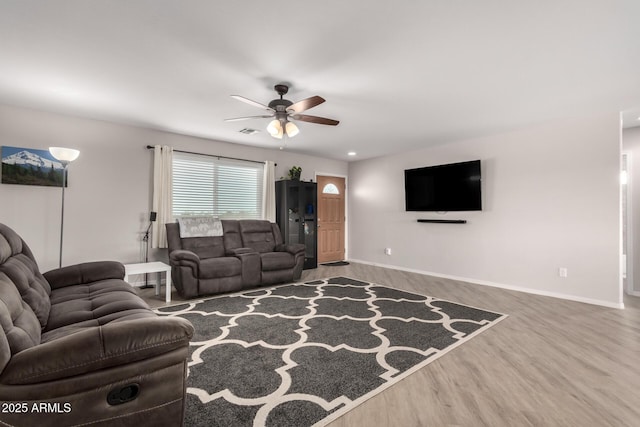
{"x": 97, "y": 348}
{"x": 184, "y": 255}
{"x": 187, "y": 258}
{"x": 185, "y": 271}
{"x": 87, "y": 272}
{"x": 293, "y": 248}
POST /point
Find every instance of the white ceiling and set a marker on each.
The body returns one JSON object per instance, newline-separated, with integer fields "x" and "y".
{"x": 398, "y": 75}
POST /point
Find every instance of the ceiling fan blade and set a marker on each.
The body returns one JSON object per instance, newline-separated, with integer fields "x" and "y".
{"x": 315, "y": 119}
{"x": 305, "y": 104}
{"x": 251, "y": 102}
{"x": 236, "y": 119}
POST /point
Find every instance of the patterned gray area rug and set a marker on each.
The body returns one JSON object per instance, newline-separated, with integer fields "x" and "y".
{"x": 303, "y": 354}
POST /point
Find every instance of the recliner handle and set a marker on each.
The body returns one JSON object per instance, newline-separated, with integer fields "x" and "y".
{"x": 123, "y": 394}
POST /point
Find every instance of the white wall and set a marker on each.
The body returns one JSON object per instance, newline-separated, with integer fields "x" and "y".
{"x": 108, "y": 199}
{"x": 631, "y": 145}
{"x": 551, "y": 199}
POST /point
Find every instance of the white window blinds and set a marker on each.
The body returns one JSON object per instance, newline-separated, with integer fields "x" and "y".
{"x": 224, "y": 188}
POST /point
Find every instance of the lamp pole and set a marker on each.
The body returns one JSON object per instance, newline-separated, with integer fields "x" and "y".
{"x": 65, "y": 164}
{"x": 64, "y": 156}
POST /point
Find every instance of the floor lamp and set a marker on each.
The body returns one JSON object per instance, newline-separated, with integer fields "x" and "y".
{"x": 145, "y": 239}
{"x": 64, "y": 156}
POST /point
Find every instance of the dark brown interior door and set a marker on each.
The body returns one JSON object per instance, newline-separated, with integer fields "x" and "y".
{"x": 331, "y": 219}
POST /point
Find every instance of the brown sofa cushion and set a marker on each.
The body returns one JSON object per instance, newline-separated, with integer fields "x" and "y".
{"x": 213, "y": 268}
{"x": 95, "y": 304}
{"x": 257, "y": 235}
{"x": 19, "y": 265}
{"x": 232, "y": 237}
{"x": 204, "y": 247}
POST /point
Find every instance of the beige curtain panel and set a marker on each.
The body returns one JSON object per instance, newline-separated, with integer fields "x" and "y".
{"x": 162, "y": 193}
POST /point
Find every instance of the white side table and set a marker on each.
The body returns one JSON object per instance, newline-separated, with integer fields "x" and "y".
{"x": 151, "y": 267}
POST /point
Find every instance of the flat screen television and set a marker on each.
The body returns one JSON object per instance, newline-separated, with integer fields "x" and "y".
{"x": 451, "y": 187}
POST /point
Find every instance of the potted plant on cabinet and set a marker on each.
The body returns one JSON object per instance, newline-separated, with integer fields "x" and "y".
{"x": 294, "y": 173}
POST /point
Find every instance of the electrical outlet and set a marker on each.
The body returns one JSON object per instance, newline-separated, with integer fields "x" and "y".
{"x": 563, "y": 272}
{"x": 387, "y": 251}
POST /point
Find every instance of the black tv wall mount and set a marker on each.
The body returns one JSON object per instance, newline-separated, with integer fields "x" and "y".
{"x": 444, "y": 221}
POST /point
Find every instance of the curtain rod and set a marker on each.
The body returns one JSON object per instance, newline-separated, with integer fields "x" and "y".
{"x": 151, "y": 147}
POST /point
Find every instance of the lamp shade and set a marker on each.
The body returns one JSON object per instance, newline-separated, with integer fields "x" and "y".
{"x": 275, "y": 129}
{"x": 64, "y": 155}
{"x": 292, "y": 129}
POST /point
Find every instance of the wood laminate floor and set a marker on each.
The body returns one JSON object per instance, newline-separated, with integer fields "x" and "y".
{"x": 550, "y": 363}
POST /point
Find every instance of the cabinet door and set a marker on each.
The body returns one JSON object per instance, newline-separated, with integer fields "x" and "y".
{"x": 296, "y": 221}
{"x": 308, "y": 200}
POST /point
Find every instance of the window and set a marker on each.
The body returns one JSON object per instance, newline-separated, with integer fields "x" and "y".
{"x": 224, "y": 188}
{"x": 330, "y": 189}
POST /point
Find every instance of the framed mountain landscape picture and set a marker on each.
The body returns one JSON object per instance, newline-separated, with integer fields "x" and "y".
{"x": 28, "y": 166}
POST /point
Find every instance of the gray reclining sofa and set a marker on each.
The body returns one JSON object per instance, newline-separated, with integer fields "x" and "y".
{"x": 79, "y": 347}
{"x": 248, "y": 254}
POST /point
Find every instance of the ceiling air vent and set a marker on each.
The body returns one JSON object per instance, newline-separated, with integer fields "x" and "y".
{"x": 248, "y": 131}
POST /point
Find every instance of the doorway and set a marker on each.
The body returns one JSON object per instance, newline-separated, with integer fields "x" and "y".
{"x": 331, "y": 218}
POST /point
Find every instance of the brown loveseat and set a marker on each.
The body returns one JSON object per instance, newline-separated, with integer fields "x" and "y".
{"x": 249, "y": 253}
{"x": 78, "y": 347}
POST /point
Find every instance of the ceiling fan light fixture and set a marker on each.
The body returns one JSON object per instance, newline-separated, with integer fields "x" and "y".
{"x": 281, "y": 110}
{"x": 275, "y": 129}
{"x": 292, "y": 129}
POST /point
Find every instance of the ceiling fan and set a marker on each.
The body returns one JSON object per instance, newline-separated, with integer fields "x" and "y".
{"x": 282, "y": 110}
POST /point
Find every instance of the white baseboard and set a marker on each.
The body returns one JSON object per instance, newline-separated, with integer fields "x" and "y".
{"x": 499, "y": 285}
{"x": 633, "y": 293}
